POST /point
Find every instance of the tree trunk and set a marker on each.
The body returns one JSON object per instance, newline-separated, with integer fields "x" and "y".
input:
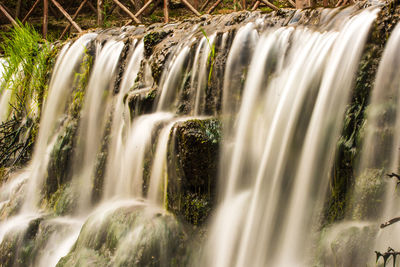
{"x": 100, "y": 12}
{"x": 45, "y": 17}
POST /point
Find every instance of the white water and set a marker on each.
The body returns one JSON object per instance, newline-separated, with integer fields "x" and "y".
{"x": 94, "y": 116}
{"x": 59, "y": 90}
{"x": 121, "y": 123}
{"x": 284, "y": 144}
{"x": 202, "y": 62}
{"x": 379, "y": 156}
{"x": 60, "y": 242}
{"x": 386, "y": 95}
{"x": 171, "y": 80}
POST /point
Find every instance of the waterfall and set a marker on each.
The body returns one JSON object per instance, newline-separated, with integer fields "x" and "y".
{"x": 70, "y": 59}
{"x": 205, "y": 143}
{"x": 287, "y": 126}
{"x": 374, "y": 197}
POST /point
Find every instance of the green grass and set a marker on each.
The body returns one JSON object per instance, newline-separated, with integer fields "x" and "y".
{"x": 28, "y": 58}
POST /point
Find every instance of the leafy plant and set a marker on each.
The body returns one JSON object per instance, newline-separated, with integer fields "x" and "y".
{"x": 28, "y": 60}
{"x": 26, "y": 68}
{"x": 107, "y": 10}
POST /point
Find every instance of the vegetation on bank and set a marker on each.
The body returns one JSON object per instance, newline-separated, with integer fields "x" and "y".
{"x": 28, "y": 60}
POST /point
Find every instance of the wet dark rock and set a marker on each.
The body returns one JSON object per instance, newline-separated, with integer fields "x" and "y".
{"x": 121, "y": 65}
{"x": 141, "y": 101}
{"x": 101, "y": 162}
{"x": 58, "y": 170}
{"x": 152, "y": 39}
{"x": 194, "y": 163}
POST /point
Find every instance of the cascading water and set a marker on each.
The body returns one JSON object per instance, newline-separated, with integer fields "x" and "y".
{"x": 374, "y": 198}
{"x": 287, "y": 127}
{"x": 115, "y": 150}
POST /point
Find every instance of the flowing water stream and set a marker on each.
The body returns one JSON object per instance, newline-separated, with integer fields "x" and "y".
{"x": 283, "y": 96}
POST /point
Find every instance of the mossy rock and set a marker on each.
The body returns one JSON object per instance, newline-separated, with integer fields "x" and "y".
{"x": 133, "y": 234}
{"x": 193, "y": 162}
{"x": 82, "y": 258}
{"x": 60, "y": 160}
{"x": 63, "y": 201}
{"x": 140, "y": 102}
{"x": 152, "y": 39}
{"x": 17, "y": 248}
{"x": 31, "y": 244}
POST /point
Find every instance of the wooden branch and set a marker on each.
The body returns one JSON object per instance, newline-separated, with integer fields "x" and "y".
{"x": 244, "y": 4}
{"x": 90, "y": 5}
{"x": 73, "y": 17}
{"x": 45, "y": 17}
{"x": 392, "y": 221}
{"x": 396, "y": 176}
{"x": 188, "y": 5}
{"x": 386, "y": 256}
{"x": 143, "y": 8}
{"x": 76, "y": 26}
{"x": 339, "y": 3}
{"x": 141, "y": 11}
{"x": 18, "y": 9}
{"x": 204, "y": 5}
{"x": 213, "y": 7}
{"x": 99, "y": 12}
{"x": 127, "y": 11}
{"x": 9, "y": 17}
{"x": 30, "y": 11}
{"x": 54, "y": 12}
{"x": 293, "y": 4}
{"x": 256, "y": 4}
{"x": 166, "y": 18}
{"x": 273, "y": 7}
{"x": 154, "y": 7}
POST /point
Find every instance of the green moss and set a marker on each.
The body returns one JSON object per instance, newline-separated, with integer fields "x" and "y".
{"x": 196, "y": 208}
